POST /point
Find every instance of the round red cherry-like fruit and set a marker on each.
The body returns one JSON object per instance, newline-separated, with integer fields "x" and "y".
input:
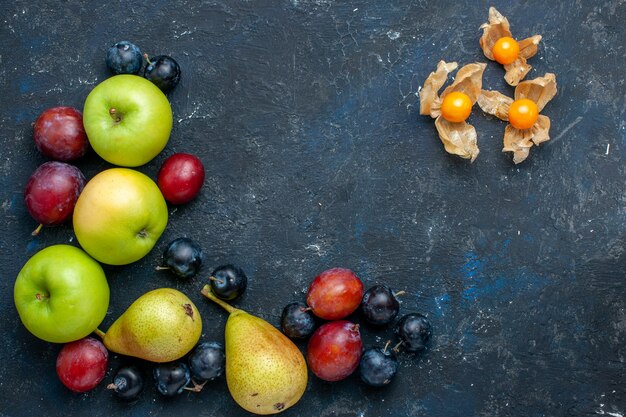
{"x": 59, "y": 134}
{"x": 81, "y": 365}
{"x": 180, "y": 178}
{"x": 335, "y": 294}
{"x": 334, "y": 350}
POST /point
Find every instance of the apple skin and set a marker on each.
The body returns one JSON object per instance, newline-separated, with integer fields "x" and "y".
{"x": 61, "y": 294}
{"x": 119, "y": 216}
{"x": 128, "y": 120}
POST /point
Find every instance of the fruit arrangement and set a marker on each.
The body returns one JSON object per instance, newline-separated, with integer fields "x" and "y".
{"x": 335, "y": 348}
{"x": 453, "y": 106}
{"x": 62, "y": 294}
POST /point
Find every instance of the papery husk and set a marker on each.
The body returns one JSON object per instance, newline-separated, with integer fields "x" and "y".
{"x": 499, "y": 27}
{"x": 540, "y": 90}
{"x": 528, "y": 47}
{"x": 517, "y": 70}
{"x": 469, "y": 80}
{"x": 517, "y": 141}
{"x": 520, "y": 141}
{"x": 429, "y": 94}
{"x": 541, "y": 130}
{"x": 458, "y": 138}
{"x": 495, "y": 103}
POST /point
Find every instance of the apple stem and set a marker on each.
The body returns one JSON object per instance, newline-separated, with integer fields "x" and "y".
{"x": 100, "y": 333}
{"x": 37, "y": 230}
{"x": 216, "y": 280}
{"x": 206, "y": 291}
{"x": 115, "y": 115}
{"x": 147, "y": 59}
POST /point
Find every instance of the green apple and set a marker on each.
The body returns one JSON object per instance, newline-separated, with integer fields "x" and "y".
{"x": 119, "y": 216}
{"x": 127, "y": 119}
{"x": 61, "y": 294}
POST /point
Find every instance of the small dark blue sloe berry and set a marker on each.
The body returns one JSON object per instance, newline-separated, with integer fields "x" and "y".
{"x": 228, "y": 282}
{"x": 183, "y": 256}
{"x": 163, "y": 71}
{"x": 207, "y": 361}
{"x": 297, "y": 321}
{"x": 124, "y": 58}
{"x": 127, "y": 383}
{"x": 378, "y": 366}
{"x": 414, "y": 331}
{"x": 171, "y": 378}
{"x": 379, "y": 305}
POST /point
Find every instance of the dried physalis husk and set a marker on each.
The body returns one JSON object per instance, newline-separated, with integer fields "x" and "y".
{"x": 519, "y": 141}
{"x": 540, "y": 90}
{"x": 459, "y": 138}
{"x": 429, "y": 94}
{"x": 498, "y": 27}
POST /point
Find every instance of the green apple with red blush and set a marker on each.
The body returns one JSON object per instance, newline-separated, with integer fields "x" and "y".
{"x": 119, "y": 216}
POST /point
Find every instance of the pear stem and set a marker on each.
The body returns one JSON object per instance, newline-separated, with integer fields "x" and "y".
{"x": 206, "y": 291}
{"x": 100, "y": 333}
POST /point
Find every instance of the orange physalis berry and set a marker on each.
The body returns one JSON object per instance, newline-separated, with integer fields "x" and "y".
{"x": 506, "y": 50}
{"x": 523, "y": 114}
{"x": 456, "y": 107}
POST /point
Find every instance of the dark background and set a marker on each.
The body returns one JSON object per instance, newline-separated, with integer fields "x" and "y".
{"x": 306, "y": 116}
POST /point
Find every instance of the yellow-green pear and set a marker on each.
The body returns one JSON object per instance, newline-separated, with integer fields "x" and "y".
{"x": 160, "y": 326}
{"x": 265, "y": 371}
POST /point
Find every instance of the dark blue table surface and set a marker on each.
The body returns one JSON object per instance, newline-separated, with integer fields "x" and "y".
{"x": 306, "y": 116}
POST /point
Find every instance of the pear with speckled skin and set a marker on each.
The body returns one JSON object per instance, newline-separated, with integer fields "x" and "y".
{"x": 265, "y": 371}
{"x": 160, "y": 326}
